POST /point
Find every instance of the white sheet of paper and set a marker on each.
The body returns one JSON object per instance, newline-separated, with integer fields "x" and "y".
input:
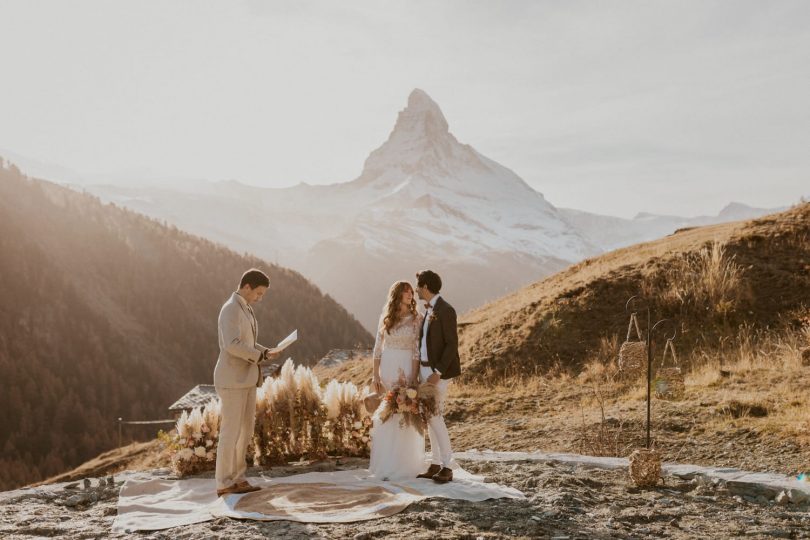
{"x": 286, "y": 342}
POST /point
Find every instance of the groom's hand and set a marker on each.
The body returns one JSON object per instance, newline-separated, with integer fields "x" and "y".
{"x": 434, "y": 378}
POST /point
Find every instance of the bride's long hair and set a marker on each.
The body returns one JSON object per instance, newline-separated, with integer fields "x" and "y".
{"x": 392, "y": 315}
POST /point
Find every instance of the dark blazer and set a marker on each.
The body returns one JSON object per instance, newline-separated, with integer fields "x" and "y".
{"x": 442, "y": 340}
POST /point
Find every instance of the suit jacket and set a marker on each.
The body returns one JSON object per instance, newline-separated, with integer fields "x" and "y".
{"x": 442, "y": 340}
{"x": 239, "y": 353}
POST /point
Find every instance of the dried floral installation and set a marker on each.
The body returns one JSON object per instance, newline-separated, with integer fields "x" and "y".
{"x": 295, "y": 419}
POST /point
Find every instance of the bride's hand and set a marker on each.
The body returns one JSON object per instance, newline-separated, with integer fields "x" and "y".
{"x": 377, "y": 385}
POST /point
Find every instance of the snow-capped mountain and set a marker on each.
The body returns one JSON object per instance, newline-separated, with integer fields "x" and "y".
{"x": 425, "y": 188}
{"x": 422, "y": 200}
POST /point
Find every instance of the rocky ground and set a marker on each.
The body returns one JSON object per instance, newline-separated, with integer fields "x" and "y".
{"x": 562, "y": 501}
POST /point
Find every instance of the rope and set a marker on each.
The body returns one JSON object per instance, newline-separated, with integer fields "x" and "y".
{"x": 671, "y": 348}
{"x": 633, "y": 321}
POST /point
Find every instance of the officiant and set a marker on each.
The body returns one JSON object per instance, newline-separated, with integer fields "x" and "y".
{"x": 236, "y": 376}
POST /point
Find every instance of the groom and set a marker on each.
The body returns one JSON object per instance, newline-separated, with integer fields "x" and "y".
{"x": 439, "y": 363}
{"x": 235, "y": 378}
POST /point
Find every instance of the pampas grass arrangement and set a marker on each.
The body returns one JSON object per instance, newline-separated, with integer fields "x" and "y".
{"x": 348, "y": 423}
{"x": 295, "y": 419}
{"x": 193, "y": 447}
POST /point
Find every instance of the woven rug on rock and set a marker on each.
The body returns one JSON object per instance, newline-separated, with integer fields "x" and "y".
{"x": 149, "y": 504}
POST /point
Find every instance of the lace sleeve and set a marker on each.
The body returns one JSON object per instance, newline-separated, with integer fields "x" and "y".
{"x": 417, "y": 346}
{"x": 378, "y": 342}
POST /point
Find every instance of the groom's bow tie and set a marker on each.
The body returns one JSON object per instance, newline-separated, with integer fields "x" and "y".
{"x": 427, "y": 305}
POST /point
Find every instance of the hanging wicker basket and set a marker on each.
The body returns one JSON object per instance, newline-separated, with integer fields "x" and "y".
{"x": 372, "y": 402}
{"x": 645, "y": 467}
{"x": 669, "y": 383}
{"x": 632, "y": 354}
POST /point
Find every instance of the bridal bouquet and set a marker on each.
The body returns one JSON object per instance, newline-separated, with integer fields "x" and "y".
{"x": 414, "y": 404}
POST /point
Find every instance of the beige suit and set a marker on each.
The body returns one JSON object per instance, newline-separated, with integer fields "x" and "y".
{"x": 235, "y": 378}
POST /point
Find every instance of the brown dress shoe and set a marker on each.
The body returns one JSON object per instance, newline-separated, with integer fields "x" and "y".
{"x": 443, "y": 476}
{"x": 431, "y": 472}
{"x": 245, "y": 487}
{"x": 239, "y": 487}
{"x": 233, "y": 488}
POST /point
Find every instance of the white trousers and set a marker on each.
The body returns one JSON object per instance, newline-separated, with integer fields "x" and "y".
{"x": 235, "y": 432}
{"x": 437, "y": 429}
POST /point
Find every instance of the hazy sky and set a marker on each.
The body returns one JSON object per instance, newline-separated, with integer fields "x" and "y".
{"x": 614, "y": 107}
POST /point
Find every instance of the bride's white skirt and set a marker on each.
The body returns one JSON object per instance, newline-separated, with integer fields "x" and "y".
{"x": 396, "y": 452}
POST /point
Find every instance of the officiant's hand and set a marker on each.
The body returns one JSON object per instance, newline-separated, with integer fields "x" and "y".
{"x": 270, "y": 355}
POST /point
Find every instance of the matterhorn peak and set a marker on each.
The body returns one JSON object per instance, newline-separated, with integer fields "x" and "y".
{"x": 421, "y": 139}
{"x": 421, "y": 103}
{"x": 421, "y": 118}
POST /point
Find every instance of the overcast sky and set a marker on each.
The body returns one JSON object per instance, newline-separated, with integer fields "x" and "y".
{"x": 614, "y": 107}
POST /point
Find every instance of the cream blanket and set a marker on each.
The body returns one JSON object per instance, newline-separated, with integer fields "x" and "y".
{"x": 147, "y": 504}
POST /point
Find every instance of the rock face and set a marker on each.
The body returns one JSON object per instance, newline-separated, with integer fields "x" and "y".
{"x": 564, "y": 500}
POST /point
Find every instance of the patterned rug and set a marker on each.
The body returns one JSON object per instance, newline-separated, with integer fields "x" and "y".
{"x": 148, "y": 504}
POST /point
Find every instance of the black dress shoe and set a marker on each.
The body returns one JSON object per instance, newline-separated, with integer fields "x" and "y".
{"x": 431, "y": 472}
{"x": 443, "y": 476}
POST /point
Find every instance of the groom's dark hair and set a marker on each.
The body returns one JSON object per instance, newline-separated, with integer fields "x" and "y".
{"x": 429, "y": 279}
{"x": 255, "y": 278}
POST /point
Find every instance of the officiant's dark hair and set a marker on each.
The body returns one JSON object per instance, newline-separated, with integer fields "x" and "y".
{"x": 430, "y": 279}
{"x": 255, "y": 278}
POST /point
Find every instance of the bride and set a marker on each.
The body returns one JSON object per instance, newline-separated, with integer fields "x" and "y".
{"x": 397, "y": 452}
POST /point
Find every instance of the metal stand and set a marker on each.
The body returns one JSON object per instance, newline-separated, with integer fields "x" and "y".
{"x": 650, "y": 333}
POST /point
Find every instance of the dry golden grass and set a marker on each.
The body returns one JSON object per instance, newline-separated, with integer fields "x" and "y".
{"x": 760, "y": 389}
{"x": 764, "y": 382}
{"x": 708, "y": 278}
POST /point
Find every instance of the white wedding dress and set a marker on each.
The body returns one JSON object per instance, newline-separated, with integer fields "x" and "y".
{"x": 397, "y": 452}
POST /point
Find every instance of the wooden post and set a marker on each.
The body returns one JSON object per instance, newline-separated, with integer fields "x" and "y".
{"x": 119, "y": 431}
{"x": 649, "y": 374}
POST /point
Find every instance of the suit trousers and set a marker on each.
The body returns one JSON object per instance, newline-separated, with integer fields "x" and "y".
{"x": 442, "y": 453}
{"x": 235, "y": 432}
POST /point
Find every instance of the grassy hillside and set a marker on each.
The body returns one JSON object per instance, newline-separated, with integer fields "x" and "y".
{"x": 710, "y": 280}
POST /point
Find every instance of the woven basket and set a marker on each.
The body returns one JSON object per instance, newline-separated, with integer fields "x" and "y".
{"x": 669, "y": 380}
{"x": 632, "y": 354}
{"x": 645, "y": 467}
{"x": 372, "y": 402}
